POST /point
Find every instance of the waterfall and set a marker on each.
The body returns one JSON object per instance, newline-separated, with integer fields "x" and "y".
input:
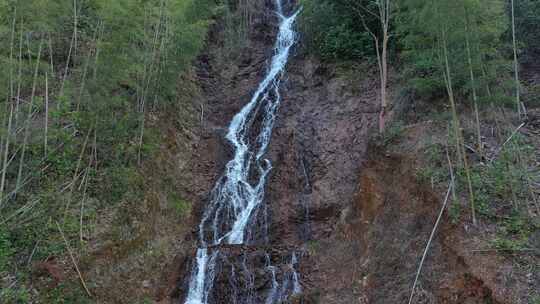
{"x": 239, "y": 192}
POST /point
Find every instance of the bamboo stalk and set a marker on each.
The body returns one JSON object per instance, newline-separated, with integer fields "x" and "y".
{"x": 82, "y": 205}
{"x": 457, "y": 129}
{"x": 19, "y": 76}
{"x": 147, "y": 79}
{"x": 6, "y": 153}
{"x": 76, "y": 174}
{"x": 51, "y": 55}
{"x": 46, "y": 125}
{"x": 12, "y": 42}
{"x": 516, "y": 64}
{"x": 72, "y": 45}
{"x": 429, "y": 241}
{"x": 473, "y": 83}
{"x": 29, "y": 118}
{"x": 452, "y": 176}
{"x": 98, "y": 42}
{"x": 73, "y": 260}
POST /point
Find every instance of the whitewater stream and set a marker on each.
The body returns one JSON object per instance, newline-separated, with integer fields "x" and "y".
{"x": 237, "y": 199}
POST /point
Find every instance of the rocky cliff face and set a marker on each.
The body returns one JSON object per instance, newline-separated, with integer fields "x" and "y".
{"x": 353, "y": 215}
{"x": 317, "y": 148}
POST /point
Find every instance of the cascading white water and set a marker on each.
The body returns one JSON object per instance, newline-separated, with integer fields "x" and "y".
{"x": 239, "y": 192}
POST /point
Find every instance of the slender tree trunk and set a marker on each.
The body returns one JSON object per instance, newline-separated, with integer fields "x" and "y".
{"x": 381, "y": 49}
{"x": 9, "y": 103}
{"x": 516, "y": 64}
{"x": 473, "y": 84}
{"x": 12, "y": 43}
{"x": 72, "y": 46}
{"x": 457, "y": 128}
{"x": 76, "y": 175}
{"x": 9, "y": 95}
{"x": 19, "y": 76}
{"x": 384, "y": 12}
{"x": 28, "y": 120}
{"x": 51, "y": 55}
{"x": 5, "y": 156}
{"x": 46, "y": 124}
{"x": 83, "y": 81}
{"x": 147, "y": 79}
{"x": 98, "y": 42}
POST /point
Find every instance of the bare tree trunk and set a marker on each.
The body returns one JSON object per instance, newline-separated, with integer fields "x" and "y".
{"x": 147, "y": 79}
{"x": 96, "y": 60}
{"x": 76, "y": 174}
{"x": 51, "y": 55}
{"x": 516, "y": 64}
{"x": 28, "y": 120}
{"x": 72, "y": 45}
{"x": 19, "y": 76}
{"x": 9, "y": 104}
{"x": 83, "y": 81}
{"x": 457, "y": 128}
{"x": 6, "y": 153}
{"x": 381, "y": 49}
{"x": 384, "y": 12}
{"x": 473, "y": 84}
{"x": 46, "y": 124}
{"x": 12, "y": 42}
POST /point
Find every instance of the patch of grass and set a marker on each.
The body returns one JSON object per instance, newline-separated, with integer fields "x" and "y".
{"x": 6, "y": 250}
{"x": 504, "y": 181}
{"x": 180, "y": 206}
{"x": 532, "y": 98}
{"x": 514, "y": 233}
{"x": 146, "y": 301}
{"x": 119, "y": 183}
{"x": 436, "y": 170}
{"x": 67, "y": 293}
{"x": 313, "y": 246}
{"x": 393, "y": 132}
{"x": 454, "y": 211}
{"x": 14, "y": 296}
{"x": 505, "y": 244}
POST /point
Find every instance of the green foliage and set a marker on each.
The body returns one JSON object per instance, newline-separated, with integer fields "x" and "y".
{"x": 393, "y": 132}
{"x": 6, "y": 249}
{"x": 14, "y": 296}
{"x": 126, "y": 63}
{"x": 436, "y": 171}
{"x": 180, "y": 206}
{"x": 505, "y": 180}
{"x": 532, "y": 98}
{"x": 67, "y": 293}
{"x": 464, "y": 26}
{"x": 236, "y": 23}
{"x": 514, "y": 233}
{"x": 119, "y": 183}
{"x": 455, "y": 211}
{"x": 527, "y": 14}
{"x": 313, "y": 246}
{"x": 333, "y": 30}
